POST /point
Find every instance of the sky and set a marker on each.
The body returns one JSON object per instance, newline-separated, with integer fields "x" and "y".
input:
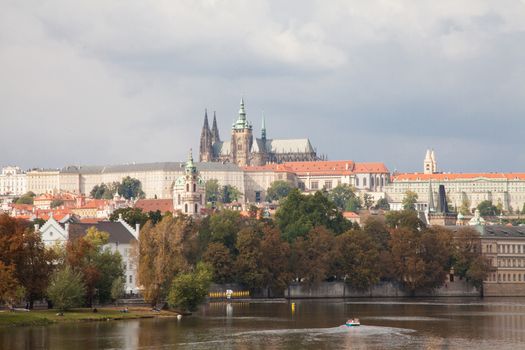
{"x": 106, "y": 82}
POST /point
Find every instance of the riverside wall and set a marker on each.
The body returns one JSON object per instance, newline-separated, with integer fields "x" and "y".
{"x": 457, "y": 288}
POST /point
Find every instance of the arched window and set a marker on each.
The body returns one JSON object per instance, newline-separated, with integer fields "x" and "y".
{"x": 364, "y": 182}
{"x": 179, "y": 199}
{"x": 187, "y": 187}
{"x": 186, "y": 207}
{"x": 194, "y": 187}
{"x": 372, "y": 181}
{"x": 196, "y": 208}
{"x": 356, "y": 182}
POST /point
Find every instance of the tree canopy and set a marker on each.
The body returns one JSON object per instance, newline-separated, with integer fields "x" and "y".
{"x": 410, "y": 200}
{"x": 278, "y": 189}
{"x": 486, "y": 208}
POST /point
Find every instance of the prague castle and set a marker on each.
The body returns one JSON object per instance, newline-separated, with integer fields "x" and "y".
{"x": 244, "y": 149}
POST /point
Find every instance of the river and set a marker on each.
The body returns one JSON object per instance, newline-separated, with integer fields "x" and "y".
{"x": 444, "y": 323}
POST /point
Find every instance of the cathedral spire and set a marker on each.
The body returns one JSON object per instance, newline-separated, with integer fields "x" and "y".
{"x": 241, "y": 122}
{"x": 215, "y": 130}
{"x": 263, "y": 128}
{"x": 206, "y": 153}
{"x": 242, "y": 113}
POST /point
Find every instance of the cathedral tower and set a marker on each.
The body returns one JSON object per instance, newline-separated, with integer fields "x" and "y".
{"x": 206, "y": 150}
{"x": 242, "y": 139}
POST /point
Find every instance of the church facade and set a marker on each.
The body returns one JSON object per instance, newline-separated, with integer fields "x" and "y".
{"x": 243, "y": 149}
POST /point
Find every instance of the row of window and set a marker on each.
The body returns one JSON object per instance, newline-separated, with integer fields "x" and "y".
{"x": 511, "y": 262}
{"x": 509, "y": 248}
{"x": 506, "y": 277}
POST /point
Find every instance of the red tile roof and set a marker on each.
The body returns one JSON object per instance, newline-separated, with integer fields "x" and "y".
{"x": 350, "y": 215}
{"x": 334, "y": 167}
{"x": 148, "y": 205}
{"x": 457, "y": 176}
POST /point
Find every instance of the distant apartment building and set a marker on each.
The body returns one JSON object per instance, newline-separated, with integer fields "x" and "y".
{"x": 13, "y": 181}
{"x": 474, "y": 188}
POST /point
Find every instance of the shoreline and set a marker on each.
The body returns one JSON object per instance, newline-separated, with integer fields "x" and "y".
{"x": 49, "y": 316}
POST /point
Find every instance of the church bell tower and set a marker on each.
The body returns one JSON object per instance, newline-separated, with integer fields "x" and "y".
{"x": 242, "y": 139}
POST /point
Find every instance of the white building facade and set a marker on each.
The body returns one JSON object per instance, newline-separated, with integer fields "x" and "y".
{"x": 13, "y": 181}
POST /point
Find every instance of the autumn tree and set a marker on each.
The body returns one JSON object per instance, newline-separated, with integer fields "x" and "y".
{"x": 311, "y": 256}
{"x": 23, "y": 249}
{"x": 160, "y": 256}
{"x": 464, "y": 209}
{"x": 97, "y": 266}
{"x": 8, "y": 284}
{"x": 248, "y": 267}
{"x": 421, "y": 259}
{"x": 355, "y": 259}
{"x": 275, "y": 260}
{"x": 221, "y": 262}
{"x": 278, "y": 189}
{"x": 469, "y": 263}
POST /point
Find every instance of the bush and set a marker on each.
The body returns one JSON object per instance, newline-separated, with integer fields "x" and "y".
{"x": 66, "y": 289}
{"x": 188, "y": 290}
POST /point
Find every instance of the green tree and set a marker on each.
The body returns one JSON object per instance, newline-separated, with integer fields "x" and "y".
{"x": 109, "y": 265}
{"x": 26, "y": 198}
{"x": 154, "y": 216}
{"x": 190, "y": 289}
{"x": 224, "y": 227}
{"x": 486, "y": 208}
{"x": 132, "y": 216}
{"x": 104, "y": 191}
{"x": 56, "y": 203}
{"x": 66, "y": 289}
{"x": 410, "y": 200}
{"x": 229, "y": 194}
{"x": 278, "y": 189}
{"x": 131, "y": 188}
{"x": 212, "y": 191}
{"x": 117, "y": 288}
{"x": 383, "y": 204}
{"x": 404, "y": 219}
{"x": 298, "y": 214}
{"x": 464, "y": 209}
{"x": 220, "y": 260}
{"x": 344, "y": 197}
{"x": 368, "y": 201}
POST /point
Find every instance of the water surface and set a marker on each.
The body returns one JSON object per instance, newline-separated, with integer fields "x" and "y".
{"x": 493, "y": 323}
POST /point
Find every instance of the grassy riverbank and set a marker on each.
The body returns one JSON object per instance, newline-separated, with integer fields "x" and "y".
{"x": 44, "y": 317}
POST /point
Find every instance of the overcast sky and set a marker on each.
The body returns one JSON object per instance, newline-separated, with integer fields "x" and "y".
{"x": 101, "y": 82}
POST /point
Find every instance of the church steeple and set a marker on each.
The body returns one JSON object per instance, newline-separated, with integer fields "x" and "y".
{"x": 206, "y": 150}
{"x": 242, "y": 122}
{"x": 215, "y": 130}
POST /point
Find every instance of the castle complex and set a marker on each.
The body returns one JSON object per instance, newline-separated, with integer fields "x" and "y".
{"x": 244, "y": 149}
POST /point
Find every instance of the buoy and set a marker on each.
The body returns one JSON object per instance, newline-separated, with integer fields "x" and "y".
{"x": 179, "y": 317}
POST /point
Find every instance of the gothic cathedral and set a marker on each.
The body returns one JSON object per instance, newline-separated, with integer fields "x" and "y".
{"x": 244, "y": 150}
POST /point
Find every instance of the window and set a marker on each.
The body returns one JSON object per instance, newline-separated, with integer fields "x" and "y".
{"x": 178, "y": 198}
{"x": 187, "y": 187}
{"x": 258, "y": 196}
{"x": 186, "y": 207}
{"x": 356, "y": 182}
{"x": 364, "y": 182}
{"x": 196, "y": 208}
{"x": 328, "y": 185}
{"x": 314, "y": 185}
{"x": 130, "y": 278}
{"x": 194, "y": 187}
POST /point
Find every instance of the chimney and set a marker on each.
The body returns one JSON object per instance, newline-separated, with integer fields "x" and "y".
{"x": 137, "y": 231}
{"x": 120, "y": 217}
{"x": 66, "y": 228}
{"x": 37, "y": 227}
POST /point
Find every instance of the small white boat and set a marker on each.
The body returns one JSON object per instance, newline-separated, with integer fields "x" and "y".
{"x": 353, "y": 322}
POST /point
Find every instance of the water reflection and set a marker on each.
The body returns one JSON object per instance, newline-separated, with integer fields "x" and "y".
{"x": 401, "y": 324}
